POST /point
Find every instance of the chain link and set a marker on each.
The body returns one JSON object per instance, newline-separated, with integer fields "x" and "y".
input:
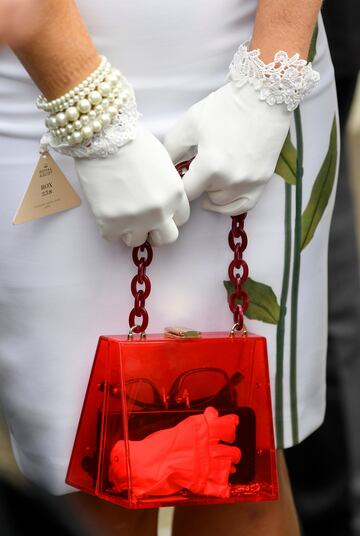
{"x": 140, "y": 284}
{"x": 238, "y": 271}
{"x": 140, "y": 288}
{"x": 238, "y": 274}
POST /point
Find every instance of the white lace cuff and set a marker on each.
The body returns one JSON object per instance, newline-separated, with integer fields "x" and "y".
{"x": 283, "y": 81}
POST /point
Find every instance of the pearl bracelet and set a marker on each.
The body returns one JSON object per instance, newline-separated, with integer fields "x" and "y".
{"x": 78, "y": 92}
{"x": 112, "y": 137}
{"x": 283, "y": 81}
{"x": 91, "y": 113}
{"x": 101, "y": 120}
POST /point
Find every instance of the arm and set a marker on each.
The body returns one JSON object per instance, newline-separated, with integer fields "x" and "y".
{"x": 127, "y": 176}
{"x": 17, "y": 19}
{"x": 240, "y": 128}
{"x": 284, "y": 25}
{"x": 59, "y": 53}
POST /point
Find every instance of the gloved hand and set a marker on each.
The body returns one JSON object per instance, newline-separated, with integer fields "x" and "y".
{"x": 135, "y": 192}
{"x": 167, "y": 461}
{"x": 238, "y": 139}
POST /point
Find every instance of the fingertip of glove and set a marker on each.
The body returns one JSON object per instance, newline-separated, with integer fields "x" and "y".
{"x": 134, "y": 239}
{"x": 182, "y": 213}
{"x": 126, "y": 238}
{"x": 166, "y": 234}
{"x": 211, "y": 413}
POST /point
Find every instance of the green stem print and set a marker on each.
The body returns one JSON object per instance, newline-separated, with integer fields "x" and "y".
{"x": 306, "y": 224}
{"x": 294, "y": 158}
{"x": 280, "y": 332}
{"x": 296, "y": 277}
{"x": 285, "y": 168}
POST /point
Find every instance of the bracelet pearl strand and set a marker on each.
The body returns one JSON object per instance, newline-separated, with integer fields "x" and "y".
{"x": 88, "y": 108}
{"x": 78, "y": 92}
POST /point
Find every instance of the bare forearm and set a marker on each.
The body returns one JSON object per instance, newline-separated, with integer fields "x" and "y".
{"x": 59, "y": 52}
{"x": 284, "y": 25}
{"x": 17, "y": 19}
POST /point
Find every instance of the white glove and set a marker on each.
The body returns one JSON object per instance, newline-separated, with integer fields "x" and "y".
{"x": 238, "y": 139}
{"x": 135, "y": 192}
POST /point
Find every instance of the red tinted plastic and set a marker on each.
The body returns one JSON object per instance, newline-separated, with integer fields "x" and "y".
{"x": 159, "y": 414}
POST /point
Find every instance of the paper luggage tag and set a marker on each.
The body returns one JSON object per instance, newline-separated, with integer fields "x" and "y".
{"x": 49, "y": 192}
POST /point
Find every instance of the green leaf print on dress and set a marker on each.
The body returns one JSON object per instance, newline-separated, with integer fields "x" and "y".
{"x": 263, "y": 303}
{"x": 321, "y": 191}
{"x": 286, "y": 165}
{"x": 312, "y": 49}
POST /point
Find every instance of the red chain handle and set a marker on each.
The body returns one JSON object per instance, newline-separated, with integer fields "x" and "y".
{"x": 238, "y": 273}
{"x": 140, "y": 288}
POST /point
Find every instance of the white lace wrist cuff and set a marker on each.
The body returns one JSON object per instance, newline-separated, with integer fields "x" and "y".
{"x": 283, "y": 81}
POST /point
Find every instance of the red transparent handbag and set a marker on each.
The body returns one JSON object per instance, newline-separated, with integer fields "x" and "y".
{"x": 182, "y": 417}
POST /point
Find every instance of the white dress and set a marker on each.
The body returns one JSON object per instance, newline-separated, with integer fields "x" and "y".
{"x": 62, "y": 285}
